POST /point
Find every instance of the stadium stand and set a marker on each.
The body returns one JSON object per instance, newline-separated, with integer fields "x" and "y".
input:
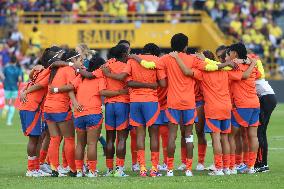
{"x": 257, "y": 23}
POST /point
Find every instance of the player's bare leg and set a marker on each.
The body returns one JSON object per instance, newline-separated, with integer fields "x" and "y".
{"x": 110, "y": 150}
{"x": 120, "y": 152}
{"x": 218, "y": 156}
{"x": 188, "y": 136}
{"x": 233, "y": 148}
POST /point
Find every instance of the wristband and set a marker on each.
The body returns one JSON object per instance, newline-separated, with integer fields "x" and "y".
{"x": 55, "y": 90}
{"x": 70, "y": 63}
{"x": 78, "y": 70}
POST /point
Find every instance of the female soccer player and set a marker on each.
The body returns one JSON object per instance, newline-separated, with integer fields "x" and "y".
{"x": 246, "y": 113}
{"x": 88, "y": 115}
{"x": 13, "y": 75}
{"x": 57, "y": 113}
{"x": 31, "y": 115}
{"x": 117, "y": 113}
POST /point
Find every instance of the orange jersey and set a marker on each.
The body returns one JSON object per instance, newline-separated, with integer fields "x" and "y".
{"x": 244, "y": 91}
{"x": 36, "y": 98}
{"x": 115, "y": 85}
{"x": 140, "y": 74}
{"x": 181, "y": 94}
{"x": 198, "y": 91}
{"x": 87, "y": 95}
{"x": 162, "y": 97}
{"x": 58, "y": 102}
{"x": 215, "y": 87}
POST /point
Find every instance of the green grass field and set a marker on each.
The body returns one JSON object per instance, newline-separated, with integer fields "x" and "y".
{"x": 13, "y": 166}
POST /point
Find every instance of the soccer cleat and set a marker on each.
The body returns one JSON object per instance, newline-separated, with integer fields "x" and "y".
{"x": 241, "y": 168}
{"x": 155, "y": 173}
{"x": 211, "y": 168}
{"x": 266, "y": 168}
{"x": 250, "y": 170}
{"x": 41, "y": 173}
{"x": 57, "y": 174}
{"x": 63, "y": 170}
{"x": 135, "y": 167}
{"x": 188, "y": 173}
{"x": 143, "y": 173}
{"x": 262, "y": 169}
{"x": 227, "y": 171}
{"x": 72, "y": 174}
{"x": 217, "y": 172}
{"x": 163, "y": 167}
{"x": 170, "y": 173}
{"x": 109, "y": 173}
{"x": 234, "y": 171}
{"x": 181, "y": 167}
{"x": 79, "y": 174}
{"x": 29, "y": 173}
{"x": 92, "y": 174}
{"x": 120, "y": 173}
{"x": 45, "y": 168}
{"x": 200, "y": 167}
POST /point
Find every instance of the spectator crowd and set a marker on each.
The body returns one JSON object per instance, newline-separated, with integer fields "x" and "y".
{"x": 255, "y": 22}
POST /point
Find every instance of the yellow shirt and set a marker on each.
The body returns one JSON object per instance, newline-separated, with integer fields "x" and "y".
{"x": 229, "y": 6}
{"x": 36, "y": 38}
{"x": 258, "y": 23}
{"x": 247, "y": 38}
{"x": 83, "y": 7}
{"x": 210, "y": 4}
{"x": 260, "y": 68}
{"x": 258, "y": 38}
{"x": 122, "y": 9}
{"x": 237, "y": 26}
{"x": 276, "y": 31}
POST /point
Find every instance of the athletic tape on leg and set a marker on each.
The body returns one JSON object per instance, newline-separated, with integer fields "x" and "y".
{"x": 189, "y": 139}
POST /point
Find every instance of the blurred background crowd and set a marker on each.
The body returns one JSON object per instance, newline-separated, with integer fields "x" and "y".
{"x": 258, "y": 23}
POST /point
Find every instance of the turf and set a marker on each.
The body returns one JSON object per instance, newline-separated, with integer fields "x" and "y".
{"x": 13, "y": 166}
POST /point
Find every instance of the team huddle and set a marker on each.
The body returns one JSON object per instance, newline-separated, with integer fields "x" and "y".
{"x": 147, "y": 91}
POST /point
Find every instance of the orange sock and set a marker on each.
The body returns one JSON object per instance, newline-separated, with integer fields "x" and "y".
{"x": 42, "y": 156}
{"x": 232, "y": 161}
{"x": 252, "y": 159}
{"x": 36, "y": 164}
{"x": 239, "y": 159}
{"x": 53, "y": 151}
{"x": 109, "y": 163}
{"x": 133, "y": 146}
{"x": 226, "y": 161}
{"x": 79, "y": 164}
{"x": 64, "y": 160}
{"x": 183, "y": 155}
{"x": 170, "y": 163}
{"x": 246, "y": 158}
{"x": 155, "y": 156}
{"x": 141, "y": 159}
{"x": 92, "y": 165}
{"x": 69, "y": 151}
{"x": 218, "y": 161}
{"x": 119, "y": 162}
{"x": 201, "y": 153}
{"x": 31, "y": 163}
{"x": 188, "y": 164}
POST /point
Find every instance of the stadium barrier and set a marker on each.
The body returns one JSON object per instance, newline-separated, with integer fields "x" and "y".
{"x": 101, "y": 31}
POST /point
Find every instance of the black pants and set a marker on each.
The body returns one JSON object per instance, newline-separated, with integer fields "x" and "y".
{"x": 267, "y": 105}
